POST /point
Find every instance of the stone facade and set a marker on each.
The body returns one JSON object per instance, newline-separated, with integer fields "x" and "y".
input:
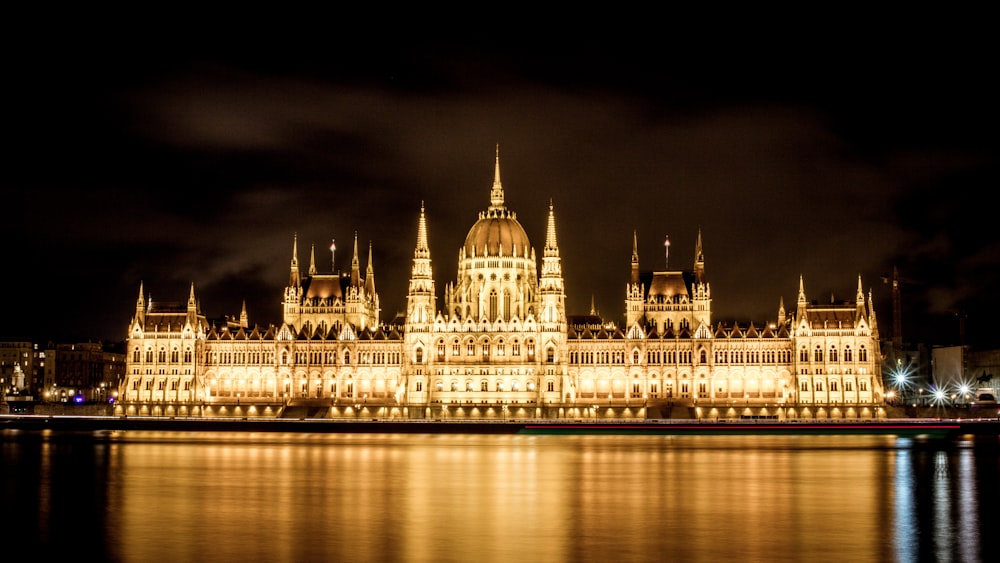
{"x": 500, "y": 344}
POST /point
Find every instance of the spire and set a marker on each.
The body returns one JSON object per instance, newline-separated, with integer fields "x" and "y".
{"x": 666, "y": 257}
{"x": 551, "y": 246}
{"x": 312, "y": 260}
{"x": 593, "y": 308}
{"x": 370, "y": 274}
{"x": 355, "y": 265}
{"x": 699, "y": 260}
{"x": 781, "y": 310}
{"x": 635, "y": 258}
{"x": 243, "y": 315}
{"x": 551, "y": 264}
{"x": 496, "y": 194}
{"x": 333, "y": 254}
{"x": 192, "y": 307}
{"x": 861, "y": 293}
{"x": 140, "y": 304}
{"x": 802, "y": 291}
{"x": 422, "y": 250}
{"x": 293, "y": 276}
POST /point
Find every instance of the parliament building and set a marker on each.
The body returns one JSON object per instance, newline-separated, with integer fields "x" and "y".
{"x": 497, "y": 343}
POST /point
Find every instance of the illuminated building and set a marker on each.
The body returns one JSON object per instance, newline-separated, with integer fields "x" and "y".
{"x": 500, "y": 344}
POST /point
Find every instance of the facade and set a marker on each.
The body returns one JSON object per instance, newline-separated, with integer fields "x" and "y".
{"x": 499, "y": 343}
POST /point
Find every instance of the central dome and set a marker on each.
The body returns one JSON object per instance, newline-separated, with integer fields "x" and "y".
{"x": 496, "y": 232}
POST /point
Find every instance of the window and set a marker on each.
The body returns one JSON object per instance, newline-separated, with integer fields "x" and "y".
{"x": 419, "y": 386}
{"x": 550, "y": 355}
{"x": 454, "y": 348}
{"x": 804, "y": 386}
{"x": 818, "y": 356}
{"x": 483, "y": 385}
{"x": 833, "y": 354}
{"x": 420, "y": 355}
{"x": 833, "y": 386}
{"x": 863, "y": 385}
{"x": 471, "y": 348}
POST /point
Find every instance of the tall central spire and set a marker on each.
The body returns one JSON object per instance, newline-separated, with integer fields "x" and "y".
{"x": 496, "y": 194}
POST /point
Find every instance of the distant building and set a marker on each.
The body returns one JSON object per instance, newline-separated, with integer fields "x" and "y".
{"x": 497, "y": 342}
{"x": 85, "y": 372}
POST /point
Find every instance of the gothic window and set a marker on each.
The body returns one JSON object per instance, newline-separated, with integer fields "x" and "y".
{"x": 455, "y": 348}
{"x": 531, "y": 350}
{"x": 550, "y": 386}
{"x": 704, "y": 357}
{"x": 483, "y": 385}
{"x": 500, "y": 348}
{"x": 550, "y": 355}
{"x": 862, "y": 355}
{"x": 440, "y": 348}
{"x": 862, "y": 385}
{"x": 347, "y": 358}
{"x": 419, "y": 386}
{"x": 833, "y": 354}
{"x": 848, "y": 386}
{"x": 847, "y": 354}
{"x": 471, "y": 348}
{"x": 515, "y": 348}
{"x": 819, "y": 385}
{"x": 833, "y": 386}
{"x": 506, "y": 304}
{"x": 136, "y": 355}
{"x": 803, "y": 355}
{"x": 804, "y": 386}
{"x": 493, "y": 305}
{"x": 818, "y": 356}
{"x": 635, "y": 357}
{"x": 420, "y": 355}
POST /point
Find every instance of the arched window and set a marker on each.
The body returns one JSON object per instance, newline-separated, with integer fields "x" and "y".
{"x": 493, "y": 305}
{"x": 420, "y": 355}
{"x": 704, "y": 357}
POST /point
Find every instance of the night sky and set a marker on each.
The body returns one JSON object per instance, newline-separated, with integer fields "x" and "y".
{"x": 824, "y": 157}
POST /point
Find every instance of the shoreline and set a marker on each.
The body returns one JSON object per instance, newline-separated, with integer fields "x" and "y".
{"x": 929, "y": 428}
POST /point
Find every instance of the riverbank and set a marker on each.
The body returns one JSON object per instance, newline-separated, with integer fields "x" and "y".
{"x": 925, "y": 427}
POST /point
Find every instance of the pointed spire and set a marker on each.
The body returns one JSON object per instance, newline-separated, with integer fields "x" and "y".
{"x": 192, "y": 306}
{"x": 422, "y": 250}
{"x": 593, "y": 308}
{"x": 293, "y": 275}
{"x": 861, "y": 293}
{"x": 781, "y": 310}
{"x": 243, "y": 315}
{"x": 312, "y": 260}
{"x": 551, "y": 246}
{"x": 635, "y": 258}
{"x": 496, "y": 194}
{"x": 699, "y": 259}
{"x": 802, "y": 290}
{"x": 355, "y": 265}
{"x": 370, "y": 274}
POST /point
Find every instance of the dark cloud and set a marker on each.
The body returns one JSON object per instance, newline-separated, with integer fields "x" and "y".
{"x": 201, "y": 167}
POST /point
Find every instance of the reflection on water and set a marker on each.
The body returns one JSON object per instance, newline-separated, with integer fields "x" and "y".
{"x": 147, "y": 496}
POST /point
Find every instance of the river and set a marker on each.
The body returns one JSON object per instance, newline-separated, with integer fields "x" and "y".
{"x": 146, "y": 496}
